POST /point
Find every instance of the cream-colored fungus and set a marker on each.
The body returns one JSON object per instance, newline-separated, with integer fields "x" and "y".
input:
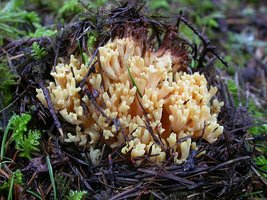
{"x": 135, "y": 89}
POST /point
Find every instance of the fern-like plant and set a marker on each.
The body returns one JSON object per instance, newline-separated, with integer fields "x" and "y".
{"x": 38, "y": 52}
{"x": 25, "y": 141}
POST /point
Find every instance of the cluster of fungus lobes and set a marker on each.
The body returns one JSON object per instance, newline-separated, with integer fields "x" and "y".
{"x": 159, "y": 107}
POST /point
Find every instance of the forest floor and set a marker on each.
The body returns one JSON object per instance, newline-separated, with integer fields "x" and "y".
{"x": 35, "y": 164}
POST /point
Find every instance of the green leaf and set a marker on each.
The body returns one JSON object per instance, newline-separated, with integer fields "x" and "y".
{"x": 51, "y": 175}
{"x": 91, "y": 40}
{"x": 258, "y": 130}
{"x": 13, "y": 5}
{"x": 257, "y": 113}
{"x": 233, "y": 89}
{"x": 212, "y": 22}
{"x": 17, "y": 177}
{"x": 96, "y": 3}
{"x": 133, "y": 81}
{"x": 85, "y": 59}
{"x": 42, "y": 31}
{"x": 19, "y": 126}
{"x": 3, "y": 145}
{"x": 34, "y": 194}
{"x": 70, "y": 6}
{"x": 76, "y": 195}
{"x": 261, "y": 161}
{"x": 157, "y": 4}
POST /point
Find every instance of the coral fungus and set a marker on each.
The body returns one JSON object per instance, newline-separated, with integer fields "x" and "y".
{"x": 157, "y": 107}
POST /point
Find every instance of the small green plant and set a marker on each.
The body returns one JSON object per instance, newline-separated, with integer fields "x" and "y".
{"x": 96, "y": 3}
{"x": 204, "y": 14}
{"x": 7, "y": 80}
{"x": 17, "y": 177}
{"x": 70, "y": 8}
{"x": 157, "y": 4}
{"x": 13, "y": 21}
{"x": 252, "y": 107}
{"x": 260, "y": 128}
{"x": 233, "y": 89}
{"x": 28, "y": 144}
{"x": 63, "y": 185}
{"x": 38, "y": 52}
{"x": 91, "y": 40}
{"x": 261, "y": 161}
{"x": 25, "y": 143}
{"x": 76, "y": 195}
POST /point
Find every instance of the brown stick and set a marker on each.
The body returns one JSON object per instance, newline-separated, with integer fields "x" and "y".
{"x": 50, "y": 107}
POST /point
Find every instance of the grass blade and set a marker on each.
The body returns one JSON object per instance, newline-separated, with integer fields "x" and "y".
{"x": 3, "y": 145}
{"x": 34, "y": 194}
{"x": 133, "y": 81}
{"x": 10, "y": 192}
{"x": 50, "y": 170}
